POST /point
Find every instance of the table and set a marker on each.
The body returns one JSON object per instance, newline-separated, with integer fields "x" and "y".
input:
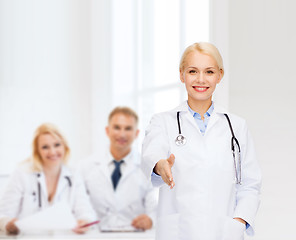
{"x": 94, "y": 234}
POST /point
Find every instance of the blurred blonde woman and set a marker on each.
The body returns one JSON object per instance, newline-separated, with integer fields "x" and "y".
{"x": 42, "y": 180}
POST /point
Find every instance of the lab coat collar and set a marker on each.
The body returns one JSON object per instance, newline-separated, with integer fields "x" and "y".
{"x": 100, "y": 160}
{"x": 183, "y": 107}
{"x": 103, "y": 160}
{"x": 65, "y": 171}
{"x": 218, "y": 111}
{"x": 216, "y": 115}
{"x": 132, "y": 163}
{"x": 127, "y": 159}
{"x": 63, "y": 181}
{"x": 106, "y": 158}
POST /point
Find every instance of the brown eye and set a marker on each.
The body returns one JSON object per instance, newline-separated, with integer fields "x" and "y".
{"x": 44, "y": 147}
{"x": 192, "y": 71}
{"x": 57, "y": 145}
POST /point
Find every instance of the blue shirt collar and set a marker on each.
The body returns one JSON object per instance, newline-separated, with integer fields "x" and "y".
{"x": 207, "y": 114}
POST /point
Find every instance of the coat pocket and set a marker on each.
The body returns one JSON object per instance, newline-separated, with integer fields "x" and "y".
{"x": 167, "y": 227}
{"x": 233, "y": 229}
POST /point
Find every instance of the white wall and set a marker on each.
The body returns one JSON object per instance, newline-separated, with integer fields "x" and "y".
{"x": 262, "y": 86}
{"x": 55, "y": 59}
{"x": 219, "y": 35}
{"x": 101, "y": 85}
{"x": 44, "y": 75}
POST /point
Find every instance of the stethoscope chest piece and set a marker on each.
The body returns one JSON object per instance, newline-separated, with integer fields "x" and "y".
{"x": 180, "y": 140}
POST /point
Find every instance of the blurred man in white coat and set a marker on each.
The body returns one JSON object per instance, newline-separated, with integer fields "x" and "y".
{"x": 120, "y": 194}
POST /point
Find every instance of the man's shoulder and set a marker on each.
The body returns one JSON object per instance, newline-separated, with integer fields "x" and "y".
{"x": 88, "y": 163}
{"x": 136, "y": 161}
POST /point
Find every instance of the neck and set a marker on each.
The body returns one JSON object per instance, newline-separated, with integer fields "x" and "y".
{"x": 119, "y": 154}
{"x": 52, "y": 171}
{"x": 201, "y": 107}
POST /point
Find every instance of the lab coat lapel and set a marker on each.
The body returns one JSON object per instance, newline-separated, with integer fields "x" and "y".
{"x": 184, "y": 113}
{"x": 63, "y": 181}
{"x": 191, "y": 120}
{"x": 102, "y": 176}
{"x": 183, "y": 107}
{"x": 102, "y": 161}
{"x": 216, "y": 115}
{"x": 212, "y": 121}
{"x": 130, "y": 166}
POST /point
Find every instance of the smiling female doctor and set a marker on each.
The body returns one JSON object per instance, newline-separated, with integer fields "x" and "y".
{"x": 206, "y": 157}
{"x": 44, "y": 180}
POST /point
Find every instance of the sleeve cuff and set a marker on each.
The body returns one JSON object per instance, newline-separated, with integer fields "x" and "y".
{"x": 156, "y": 180}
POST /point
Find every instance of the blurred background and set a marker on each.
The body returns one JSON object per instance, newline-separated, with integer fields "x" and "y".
{"x": 70, "y": 62}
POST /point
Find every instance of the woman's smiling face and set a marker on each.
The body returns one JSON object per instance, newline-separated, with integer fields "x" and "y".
{"x": 51, "y": 150}
{"x": 200, "y": 75}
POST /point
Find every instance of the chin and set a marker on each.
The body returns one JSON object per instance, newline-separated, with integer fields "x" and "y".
{"x": 124, "y": 146}
{"x": 53, "y": 162}
{"x": 200, "y": 99}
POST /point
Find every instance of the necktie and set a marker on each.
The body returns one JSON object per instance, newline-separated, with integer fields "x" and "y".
{"x": 116, "y": 173}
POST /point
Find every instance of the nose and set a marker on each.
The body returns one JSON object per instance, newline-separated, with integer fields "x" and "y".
{"x": 52, "y": 150}
{"x": 122, "y": 133}
{"x": 200, "y": 77}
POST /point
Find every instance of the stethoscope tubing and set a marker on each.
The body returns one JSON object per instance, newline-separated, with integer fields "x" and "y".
{"x": 39, "y": 189}
{"x": 234, "y": 141}
{"x": 178, "y": 120}
{"x": 39, "y": 195}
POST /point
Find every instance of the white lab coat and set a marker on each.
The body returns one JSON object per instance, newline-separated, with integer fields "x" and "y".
{"x": 21, "y": 197}
{"x": 205, "y": 199}
{"x": 134, "y": 194}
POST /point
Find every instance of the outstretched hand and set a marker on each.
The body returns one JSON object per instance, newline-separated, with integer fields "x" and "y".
{"x": 164, "y": 168}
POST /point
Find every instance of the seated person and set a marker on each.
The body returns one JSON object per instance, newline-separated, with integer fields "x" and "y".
{"x": 120, "y": 194}
{"x": 43, "y": 180}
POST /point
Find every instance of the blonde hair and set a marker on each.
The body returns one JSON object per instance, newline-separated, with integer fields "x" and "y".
{"x": 125, "y": 111}
{"x": 205, "y": 48}
{"x": 47, "y": 128}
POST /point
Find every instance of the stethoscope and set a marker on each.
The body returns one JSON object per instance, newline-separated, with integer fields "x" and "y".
{"x": 181, "y": 140}
{"x": 39, "y": 188}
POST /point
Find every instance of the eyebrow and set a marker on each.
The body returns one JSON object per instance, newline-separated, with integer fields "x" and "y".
{"x": 121, "y": 126}
{"x": 205, "y": 68}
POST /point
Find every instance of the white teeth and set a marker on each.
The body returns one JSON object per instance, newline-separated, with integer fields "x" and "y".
{"x": 200, "y": 88}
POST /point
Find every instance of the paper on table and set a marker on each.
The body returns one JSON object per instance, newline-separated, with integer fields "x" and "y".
{"x": 56, "y": 217}
{"x": 106, "y": 228}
